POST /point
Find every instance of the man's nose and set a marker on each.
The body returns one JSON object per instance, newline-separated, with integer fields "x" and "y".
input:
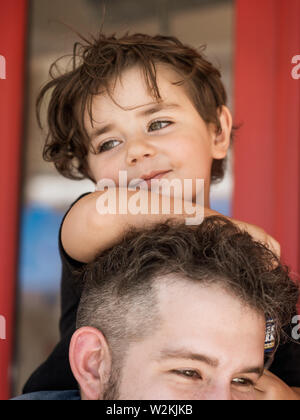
{"x": 218, "y": 392}
{"x": 138, "y": 150}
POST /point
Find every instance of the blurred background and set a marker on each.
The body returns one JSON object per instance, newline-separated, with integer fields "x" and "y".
{"x": 252, "y": 42}
{"x": 47, "y": 195}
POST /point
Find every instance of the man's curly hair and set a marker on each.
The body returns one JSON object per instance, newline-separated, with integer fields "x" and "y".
{"x": 96, "y": 65}
{"x": 120, "y": 294}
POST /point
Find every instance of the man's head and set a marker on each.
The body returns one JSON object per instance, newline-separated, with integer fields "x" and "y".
{"x": 112, "y": 88}
{"x": 179, "y": 312}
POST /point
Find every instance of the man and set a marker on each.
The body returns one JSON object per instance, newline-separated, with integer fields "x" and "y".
{"x": 177, "y": 312}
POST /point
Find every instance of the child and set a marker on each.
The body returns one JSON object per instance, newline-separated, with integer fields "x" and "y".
{"x": 161, "y": 106}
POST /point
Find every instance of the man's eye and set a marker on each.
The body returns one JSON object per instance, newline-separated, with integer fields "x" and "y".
{"x": 188, "y": 374}
{"x": 104, "y": 147}
{"x": 243, "y": 382}
{"x": 159, "y": 125}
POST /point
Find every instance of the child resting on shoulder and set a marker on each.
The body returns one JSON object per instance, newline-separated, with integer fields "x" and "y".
{"x": 161, "y": 106}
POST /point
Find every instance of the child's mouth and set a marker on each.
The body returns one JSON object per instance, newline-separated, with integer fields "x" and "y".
{"x": 157, "y": 176}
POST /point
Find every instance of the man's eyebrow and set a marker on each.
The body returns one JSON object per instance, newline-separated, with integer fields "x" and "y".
{"x": 259, "y": 370}
{"x": 179, "y": 354}
{"x": 146, "y": 112}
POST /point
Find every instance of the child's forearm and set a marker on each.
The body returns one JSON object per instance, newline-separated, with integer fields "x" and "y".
{"x": 297, "y": 391}
{"x": 111, "y": 227}
{"x": 116, "y": 224}
{"x": 87, "y": 231}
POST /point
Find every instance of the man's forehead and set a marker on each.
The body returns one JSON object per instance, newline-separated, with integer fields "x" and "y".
{"x": 189, "y": 305}
{"x": 205, "y": 319}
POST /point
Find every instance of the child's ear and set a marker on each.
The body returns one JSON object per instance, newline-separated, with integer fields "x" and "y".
{"x": 221, "y": 141}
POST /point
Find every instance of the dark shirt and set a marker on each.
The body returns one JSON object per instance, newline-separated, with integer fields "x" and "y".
{"x": 56, "y": 375}
{"x": 50, "y": 396}
{"x": 286, "y": 363}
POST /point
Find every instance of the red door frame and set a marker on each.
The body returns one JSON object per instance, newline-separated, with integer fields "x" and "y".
{"x": 267, "y": 102}
{"x": 12, "y": 47}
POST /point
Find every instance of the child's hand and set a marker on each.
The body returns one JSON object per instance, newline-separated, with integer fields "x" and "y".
{"x": 271, "y": 388}
{"x": 260, "y": 235}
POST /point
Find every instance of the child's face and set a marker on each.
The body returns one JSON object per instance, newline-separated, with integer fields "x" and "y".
{"x": 147, "y": 136}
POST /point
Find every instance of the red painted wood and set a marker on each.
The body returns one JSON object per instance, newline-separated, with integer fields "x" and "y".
{"x": 287, "y": 129}
{"x": 12, "y": 41}
{"x": 267, "y": 102}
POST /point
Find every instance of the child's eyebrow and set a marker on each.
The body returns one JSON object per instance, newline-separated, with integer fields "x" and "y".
{"x": 146, "y": 112}
{"x": 158, "y": 107}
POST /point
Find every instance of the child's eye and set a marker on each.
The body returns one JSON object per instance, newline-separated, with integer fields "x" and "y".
{"x": 104, "y": 146}
{"x": 155, "y": 126}
{"x": 159, "y": 125}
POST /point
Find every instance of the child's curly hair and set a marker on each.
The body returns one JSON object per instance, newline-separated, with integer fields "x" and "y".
{"x": 99, "y": 62}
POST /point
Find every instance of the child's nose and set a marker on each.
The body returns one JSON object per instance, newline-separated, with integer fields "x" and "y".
{"x": 138, "y": 150}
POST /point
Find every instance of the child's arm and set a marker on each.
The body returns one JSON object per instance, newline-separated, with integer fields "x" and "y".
{"x": 86, "y": 233}
{"x": 271, "y": 388}
{"x": 260, "y": 235}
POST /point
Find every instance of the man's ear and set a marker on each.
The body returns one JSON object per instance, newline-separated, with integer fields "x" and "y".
{"x": 90, "y": 361}
{"x": 221, "y": 142}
